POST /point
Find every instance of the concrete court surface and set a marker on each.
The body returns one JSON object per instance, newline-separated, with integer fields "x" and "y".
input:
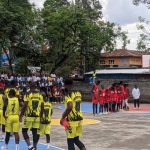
{"x": 114, "y": 132}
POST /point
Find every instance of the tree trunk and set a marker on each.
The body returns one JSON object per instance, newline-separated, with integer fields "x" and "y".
{"x": 11, "y": 67}
{"x": 58, "y": 64}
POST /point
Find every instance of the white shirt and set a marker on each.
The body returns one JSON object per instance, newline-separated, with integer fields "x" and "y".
{"x": 45, "y": 78}
{"x": 2, "y": 75}
{"x": 5, "y": 76}
{"x": 61, "y": 79}
{"x": 12, "y": 78}
{"x": 50, "y": 83}
{"x": 53, "y": 77}
{"x": 34, "y": 78}
{"x": 136, "y": 93}
{"x": 29, "y": 79}
{"x": 19, "y": 79}
{"x": 38, "y": 78}
{"x": 58, "y": 80}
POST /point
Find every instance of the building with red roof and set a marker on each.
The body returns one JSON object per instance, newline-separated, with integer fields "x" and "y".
{"x": 122, "y": 58}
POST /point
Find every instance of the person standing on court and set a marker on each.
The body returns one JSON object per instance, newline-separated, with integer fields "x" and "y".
{"x": 94, "y": 76}
{"x": 72, "y": 116}
{"x": 32, "y": 112}
{"x": 11, "y": 111}
{"x": 95, "y": 97}
{"x": 136, "y": 96}
{"x": 45, "y": 120}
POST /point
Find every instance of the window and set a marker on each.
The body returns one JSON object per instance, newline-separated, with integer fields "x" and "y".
{"x": 111, "y": 61}
{"x": 102, "y": 62}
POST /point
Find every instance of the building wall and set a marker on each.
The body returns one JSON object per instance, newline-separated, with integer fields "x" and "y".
{"x": 144, "y": 86}
{"x": 146, "y": 61}
{"x": 135, "y": 61}
{"x": 124, "y": 62}
{"x": 120, "y": 62}
{"x": 109, "y": 62}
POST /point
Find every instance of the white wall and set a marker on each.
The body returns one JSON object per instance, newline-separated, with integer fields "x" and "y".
{"x": 146, "y": 61}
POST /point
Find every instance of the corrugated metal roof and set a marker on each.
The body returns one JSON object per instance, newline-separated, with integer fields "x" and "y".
{"x": 121, "y": 71}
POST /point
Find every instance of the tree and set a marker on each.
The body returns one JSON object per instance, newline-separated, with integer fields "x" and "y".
{"x": 144, "y": 26}
{"x": 76, "y": 30}
{"x": 62, "y": 35}
{"x": 16, "y": 21}
{"x": 125, "y": 40}
{"x": 137, "y": 2}
{"x": 144, "y": 40}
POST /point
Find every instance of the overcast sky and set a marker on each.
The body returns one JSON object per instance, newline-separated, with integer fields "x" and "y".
{"x": 121, "y": 12}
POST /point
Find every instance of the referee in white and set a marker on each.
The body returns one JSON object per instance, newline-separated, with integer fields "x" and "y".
{"x": 136, "y": 96}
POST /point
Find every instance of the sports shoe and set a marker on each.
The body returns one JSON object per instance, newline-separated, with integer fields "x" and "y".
{"x": 31, "y": 148}
{"x": 48, "y": 147}
{"x": 4, "y": 148}
{"x": 2, "y": 139}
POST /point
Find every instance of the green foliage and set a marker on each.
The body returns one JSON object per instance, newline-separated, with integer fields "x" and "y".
{"x": 6, "y": 70}
{"x": 62, "y": 36}
{"x": 21, "y": 66}
{"x": 137, "y": 2}
{"x": 125, "y": 40}
{"x": 16, "y": 19}
{"x": 76, "y": 30}
{"x": 64, "y": 71}
{"x": 143, "y": 43}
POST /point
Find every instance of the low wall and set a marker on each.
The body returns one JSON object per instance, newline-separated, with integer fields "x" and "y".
{"x": 144, "y": 86}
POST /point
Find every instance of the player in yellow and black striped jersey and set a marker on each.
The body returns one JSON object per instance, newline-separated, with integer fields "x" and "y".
{"x": 45, "y": 125}
{"x": 11, "y": 111}
{"x": 2, "y": 119}
{"x": 10, "y": 86}
{"x": 32, "y": 112}
{"x": 74, "y": 116}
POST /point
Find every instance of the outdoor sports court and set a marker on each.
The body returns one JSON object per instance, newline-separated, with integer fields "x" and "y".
{"x": 118, "y": 131}
{"x": 23, "y": 146}
{"x": 145, "y": 109}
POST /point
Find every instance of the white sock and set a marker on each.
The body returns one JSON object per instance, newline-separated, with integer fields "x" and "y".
{"x": 17, "y": 146}
{"x": 48, "y": 145}
{"x": 3, "y": 147}
{"x": 3, "y": 135}
{"x": 30, "y": 146}
{"x": 6, "y": 146}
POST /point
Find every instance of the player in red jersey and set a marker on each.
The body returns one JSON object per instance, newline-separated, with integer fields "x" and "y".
{"x": 113, "y": 97}
{"x": 107, "y": 100}
{"x": 118, "y": 97}
{"x": 95, "y": 97}
{"x": 102, "y": 100}
{"x": 126, "y": 96}
{"x": 122, "y": 99}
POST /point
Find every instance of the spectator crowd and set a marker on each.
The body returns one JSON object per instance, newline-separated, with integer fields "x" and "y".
{"x": 50, "y": 84}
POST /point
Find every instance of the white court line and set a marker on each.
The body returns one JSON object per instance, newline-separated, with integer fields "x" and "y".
{"x": 43, "y": 144}
{"x": 51, "y": 146}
